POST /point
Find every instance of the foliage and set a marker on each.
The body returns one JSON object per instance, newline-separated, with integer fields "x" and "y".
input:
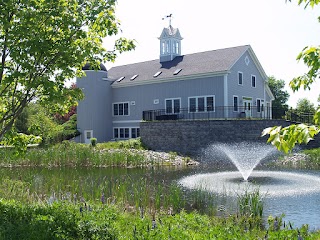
{"x": 74, "y": 154}
{"x": 281, "y": 96}
{"x": 305, "y": 106}
{"x": 93, "y": 142}
{"x": 65, "y": 221}
{"x": 19, "y": 141}
{"x": 45, "y": 43}
{"x": 41, "y": 123}
{"x": 134, "y": 143}
{"x": 62, "y": 118}
{"x": 287, "y": 137}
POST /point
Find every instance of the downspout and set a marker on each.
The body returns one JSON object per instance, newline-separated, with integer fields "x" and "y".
{"x": 225, "y": 94}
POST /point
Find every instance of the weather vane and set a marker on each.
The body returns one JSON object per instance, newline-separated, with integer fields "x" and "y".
{"x": 168, "y": 16}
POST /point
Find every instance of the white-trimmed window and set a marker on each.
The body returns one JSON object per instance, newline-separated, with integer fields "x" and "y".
{"x": 163, "y": 47}
{"x": 202, "y": 104}
{"x": 240, "y": 78}
{"x": 172, "y": 105}
{"x": 126, "y": 133}
{"x": 121, "y": 109}
{"x": 260, "y": 105}
{"x": 235, "y": 103}
{"x": 253, "y": 81}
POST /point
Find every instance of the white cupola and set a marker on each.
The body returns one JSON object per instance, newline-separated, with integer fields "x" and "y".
{"x": 170, "y": 43}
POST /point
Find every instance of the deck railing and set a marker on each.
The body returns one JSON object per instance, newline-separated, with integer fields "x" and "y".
{"x": 229, "y": 112}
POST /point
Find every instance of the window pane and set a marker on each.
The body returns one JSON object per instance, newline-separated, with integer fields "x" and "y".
{"x": 253, "y": 78}
{"x": 121, "y": 109}
{"x": 176, "y": 103}
{"x": 201, "y": 104}
{"x": 258, "y": 105}
{"x": 126, "y": 133}
{"x": 192, "y": 104}
{"x": 240, "y": 78}
{"x": 126, "y": 109}
{"x": 133, "y": 133}
{"x": 138, "y": 132}
{"x": 210, "y": 105}
{"x": 115, "y": 133}
{"x": 88, "y": 135}
{"x": 121, "y": 133}
{"x": 115, "y": 109}
{"x": 168, "y": 106}
{"x": 235, "y": 104}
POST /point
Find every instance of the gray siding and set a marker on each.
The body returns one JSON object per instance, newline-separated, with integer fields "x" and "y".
{"x": 245, "y": 90}
{"x": 93, "y": 112}
{"x": 142, "y": 97}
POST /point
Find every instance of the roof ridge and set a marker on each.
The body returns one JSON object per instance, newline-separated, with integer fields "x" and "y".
{"x": 148, "y": 61}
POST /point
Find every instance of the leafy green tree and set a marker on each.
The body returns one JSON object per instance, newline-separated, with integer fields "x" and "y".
{"x": 45, "y": 43}
{"x": 279, "y": 104}
{"x": 286, "y": 138}
{"x": 304, "y": 105}
{"x": 41, "y": 123}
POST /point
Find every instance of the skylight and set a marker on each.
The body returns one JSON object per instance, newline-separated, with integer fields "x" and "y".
{"x": 177, "y": 71}
{"x": 157, "y": 74}
{"x": 134, "y": 77}
{"x": 120, "y": 79}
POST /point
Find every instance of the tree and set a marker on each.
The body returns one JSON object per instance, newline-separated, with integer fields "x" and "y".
{"x": 286, "y": 138}
{"x": 45, "y": 43}
{"x": 304, "y": 105}
{"x": 279, "y": 104}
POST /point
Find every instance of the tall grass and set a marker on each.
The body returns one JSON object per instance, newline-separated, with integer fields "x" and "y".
{"x": 250, "y": 207}
{"x": 76, "y": 221}
{"x": 73, "y": 154}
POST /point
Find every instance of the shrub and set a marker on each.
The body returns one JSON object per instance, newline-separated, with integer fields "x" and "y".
{"x": 93, "y": 142}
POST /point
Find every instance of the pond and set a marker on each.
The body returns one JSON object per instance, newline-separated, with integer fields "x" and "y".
{"x": 91, "y": 183}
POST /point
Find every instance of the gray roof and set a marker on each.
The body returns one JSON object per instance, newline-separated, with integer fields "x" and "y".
{"x": 197, "y": 63}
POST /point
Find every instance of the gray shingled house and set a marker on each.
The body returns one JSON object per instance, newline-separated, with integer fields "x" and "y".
{"x": 220, "y": 84}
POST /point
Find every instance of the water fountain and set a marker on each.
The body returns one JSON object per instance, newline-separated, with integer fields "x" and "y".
{"x": 246, "y": 156}
{"x": 295, "y": 193}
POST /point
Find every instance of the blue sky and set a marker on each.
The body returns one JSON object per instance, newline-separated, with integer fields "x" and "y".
{"x": 277, "y": 31}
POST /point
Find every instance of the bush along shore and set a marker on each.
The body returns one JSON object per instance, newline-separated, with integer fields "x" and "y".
{"x": 305, "y": 159}
{"x": 129, "y": 153}
{"x": 106, "y": 220}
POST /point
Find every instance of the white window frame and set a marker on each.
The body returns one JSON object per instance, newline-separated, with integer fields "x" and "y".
{"x": 163, "y": 47}
{"x": 205, "y": 103}
{"x": 172, "y": 105}
{"x": 261, "y": 105}
{"x": 238, "y": 77}
{"x": 235, "y": 96}
{"x": 255, "y": 81}
{"x": 86, "y": 139}
{"x": 118, "y": 129}
{"x": 118, "y": 103}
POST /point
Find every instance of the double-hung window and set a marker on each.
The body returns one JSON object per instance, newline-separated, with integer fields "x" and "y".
{"x": 253, "y": 80}
{"x": 201, "y": 104}
{"x": 235, "y": 103}
{"x": 121, "y": 109}
{"x": 240, "y": 78}
{"x": 173, "y": 105}
{"x": 126, "y": 133}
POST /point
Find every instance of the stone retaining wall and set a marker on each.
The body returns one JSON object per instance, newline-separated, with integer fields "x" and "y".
{"x": 188, "y": 137}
